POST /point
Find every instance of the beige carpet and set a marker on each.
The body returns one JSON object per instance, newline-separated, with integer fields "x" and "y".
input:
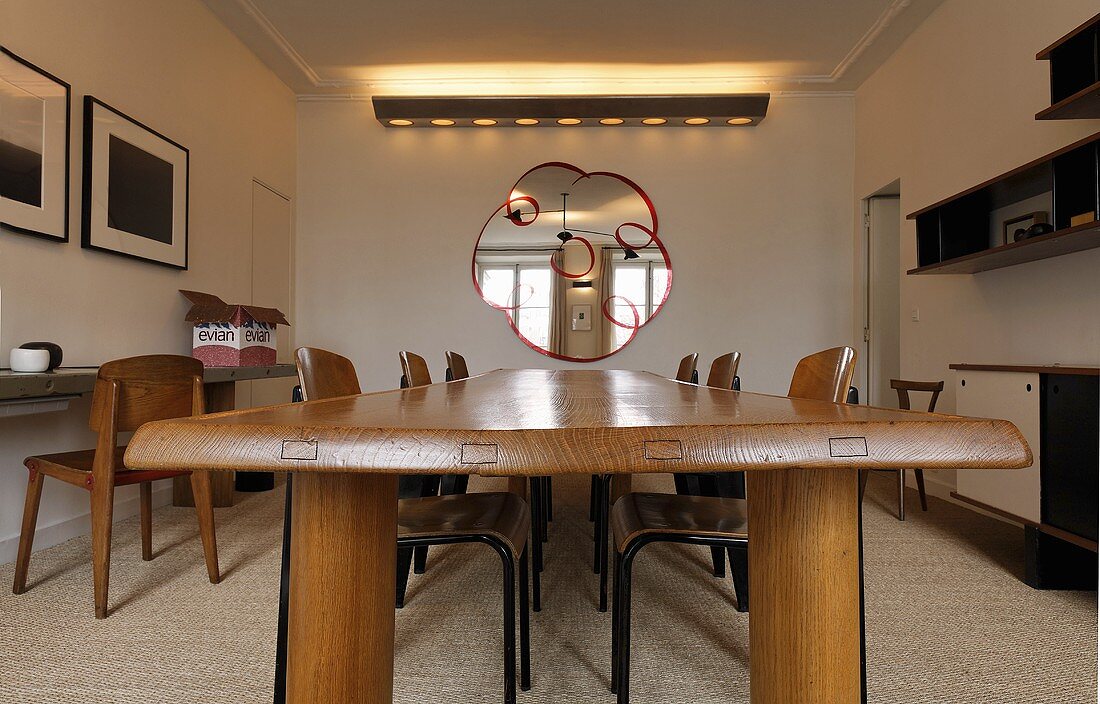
{"x": 948, "y": 619}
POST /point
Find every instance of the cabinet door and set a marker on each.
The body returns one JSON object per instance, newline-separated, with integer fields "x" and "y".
{"x": 1012, "y": 396}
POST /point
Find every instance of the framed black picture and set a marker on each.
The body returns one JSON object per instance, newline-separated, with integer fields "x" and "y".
{"x": 135, "y": 188}
{"x": 34, "y": 150}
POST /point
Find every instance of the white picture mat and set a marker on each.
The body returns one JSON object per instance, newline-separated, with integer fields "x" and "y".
{"x": 50, "y": 218}
{"x": 105, "y": 124}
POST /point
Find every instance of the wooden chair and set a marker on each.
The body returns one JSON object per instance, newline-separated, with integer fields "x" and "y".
{"x": 541, "y": 497}
{"x": 456, "y": 367}
{"x": 903, "y": 387}
{"x": 639, "y": 519}
{"x": 686, "y": 371}
{"x": 607, "y": 488}
{"x": 128, "y": 393}
{"x": 501, "y": 520}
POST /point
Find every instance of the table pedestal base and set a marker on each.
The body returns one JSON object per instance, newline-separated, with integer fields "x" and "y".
{"x": 342, "y": 575}
{"x": 804, "y": 586}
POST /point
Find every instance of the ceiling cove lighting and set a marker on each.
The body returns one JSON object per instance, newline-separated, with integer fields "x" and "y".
{"x": 737, "y": 110}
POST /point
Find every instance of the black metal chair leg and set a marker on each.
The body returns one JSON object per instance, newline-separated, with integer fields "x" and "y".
{"x": 592, "y": 499}
{"x": 622, "y": 685}
{"x": 509, "y": 628}
{"x": 597, "y": 528}
{"x": 536, "y": 524}
{"x": 536, "y": 550}
{"x": 615, "y": 623}
{"x": 718, "y": 557}
{"x": 739, "y": 568}
{"x": 524, "y": 624}
{"x": 284, "y": 603}
{"x": 404, "y": 561}
{"x": 605, "y": 511}
{"x": 544, "y": 508}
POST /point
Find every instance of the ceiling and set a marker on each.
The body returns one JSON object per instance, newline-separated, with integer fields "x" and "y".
{"x": 510, "y": 47}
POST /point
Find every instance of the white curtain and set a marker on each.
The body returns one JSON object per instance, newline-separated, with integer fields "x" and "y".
{"x": 605, "y": 289}
{"x": 559, "y": 312}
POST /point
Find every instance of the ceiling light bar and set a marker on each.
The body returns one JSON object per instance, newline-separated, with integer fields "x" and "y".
{"x": 739, "y": 110}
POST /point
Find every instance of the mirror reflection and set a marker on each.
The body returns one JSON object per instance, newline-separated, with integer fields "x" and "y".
{"x": 573, "y": 261}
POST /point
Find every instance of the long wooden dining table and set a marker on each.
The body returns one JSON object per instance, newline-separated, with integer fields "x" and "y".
{"x": 803, "y": 458}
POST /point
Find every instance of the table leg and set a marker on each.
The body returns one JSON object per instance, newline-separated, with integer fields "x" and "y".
{"x": 804, "y": 586}
{"x": 342, "y": 570}
{"x": 220, "y": 396}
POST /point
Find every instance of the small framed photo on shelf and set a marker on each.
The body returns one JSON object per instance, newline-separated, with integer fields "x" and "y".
{"x": 34, "y": 150}
{"x": 582, "y": 317}
{"x": 135, "y": 188}
{"x": 1017, "y": 228}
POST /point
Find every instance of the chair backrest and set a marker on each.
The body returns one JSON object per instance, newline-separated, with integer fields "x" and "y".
{"x": 687, "y": 367}
{"x": 903, "y": 387}
{"x": 456, "y": 366}
{"x": 415, "y": 369}
{"x": 723, "y": 370}
{"x": 825, "y": 375}
{"x": 323, "y": 374}
{"x": 151, "y": 387}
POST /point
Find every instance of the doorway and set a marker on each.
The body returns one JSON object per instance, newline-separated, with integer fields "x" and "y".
{"x": 881, "y": 258}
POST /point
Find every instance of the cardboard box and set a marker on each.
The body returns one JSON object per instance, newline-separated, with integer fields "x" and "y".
{"x": 232, "y": 335}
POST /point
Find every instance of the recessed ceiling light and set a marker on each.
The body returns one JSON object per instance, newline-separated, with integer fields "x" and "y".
{"x": 654, "y": 121}
{"x": 401, "y": 123}
{"x": 484, "y": 122}
{"x": 443, "y": 123}
{"x": 697, "y": 121}
{"x": 569, "y": 121}
{"x": 611, "y": 121}
{"x": 527, "y": 121}
{"x": 739, "y": 121}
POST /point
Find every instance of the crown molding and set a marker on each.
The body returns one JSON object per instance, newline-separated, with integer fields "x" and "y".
{"x": 506, "y": 85}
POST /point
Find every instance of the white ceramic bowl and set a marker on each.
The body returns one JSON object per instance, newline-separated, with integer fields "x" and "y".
{"x": 29, "y": 360}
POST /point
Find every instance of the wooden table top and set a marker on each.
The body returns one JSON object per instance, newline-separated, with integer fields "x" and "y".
{"x": 543, "y": 422}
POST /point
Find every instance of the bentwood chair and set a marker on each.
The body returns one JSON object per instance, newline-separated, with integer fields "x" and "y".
{"x": 639, "y": 519}
{"x": 128, "y": 393}
{"x": 903, "y": 387}
{"x": 500, "y": 520}
{"x": 607, "y": 488}
{"x": 541, "y": 495}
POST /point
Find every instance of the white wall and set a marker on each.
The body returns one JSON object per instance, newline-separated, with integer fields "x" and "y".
{"x": 173, "y": 66}
{"x": 758, "y": 224}
{"x": 951, "y": 108}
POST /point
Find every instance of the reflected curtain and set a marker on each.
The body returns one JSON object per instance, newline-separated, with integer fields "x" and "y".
{"x": 559, "y": 313}
{"x": 606, "y": 284}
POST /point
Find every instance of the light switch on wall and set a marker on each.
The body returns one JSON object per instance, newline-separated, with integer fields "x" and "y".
{"x": 915, "y": 315}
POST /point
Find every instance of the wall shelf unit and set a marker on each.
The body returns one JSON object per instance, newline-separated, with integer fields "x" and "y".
{"x": 1074, "y": 74}
{"x": 964, "y": 234}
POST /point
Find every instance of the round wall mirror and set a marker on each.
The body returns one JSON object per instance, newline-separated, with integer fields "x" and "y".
{"x": 573, "y": 261}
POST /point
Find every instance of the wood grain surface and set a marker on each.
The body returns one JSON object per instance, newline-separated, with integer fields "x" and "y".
{"x": 572, "y": 421}
{"x": 804, "y": 582}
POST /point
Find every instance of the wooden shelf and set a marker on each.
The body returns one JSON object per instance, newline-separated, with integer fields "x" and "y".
{"x": 1082, "y": 105}
{"x": 1074, "y": 74}
{"x": 958, "y": 235}
{"x": 1054, "y": 244}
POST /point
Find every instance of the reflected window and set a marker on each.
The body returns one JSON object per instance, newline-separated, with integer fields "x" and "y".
{"x": 641, "y": 282}
{"x": 523, "y": 289}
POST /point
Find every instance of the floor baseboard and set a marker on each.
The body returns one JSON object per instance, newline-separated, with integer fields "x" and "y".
{"x": 46, "y": 536}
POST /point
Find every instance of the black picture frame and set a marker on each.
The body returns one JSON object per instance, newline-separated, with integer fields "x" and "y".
{"x": 60, "y": 195}
{"x": 151, "y": 147}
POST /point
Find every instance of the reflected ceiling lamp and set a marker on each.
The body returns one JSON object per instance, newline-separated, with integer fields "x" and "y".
{"x": 566, "y": 233}
{"x": 729, "y": 110}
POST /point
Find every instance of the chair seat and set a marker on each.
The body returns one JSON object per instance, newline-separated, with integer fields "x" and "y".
{"x": 637, "y": 514}
{"x": 500, "y": 514}
{"x": 76, "y": 468}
